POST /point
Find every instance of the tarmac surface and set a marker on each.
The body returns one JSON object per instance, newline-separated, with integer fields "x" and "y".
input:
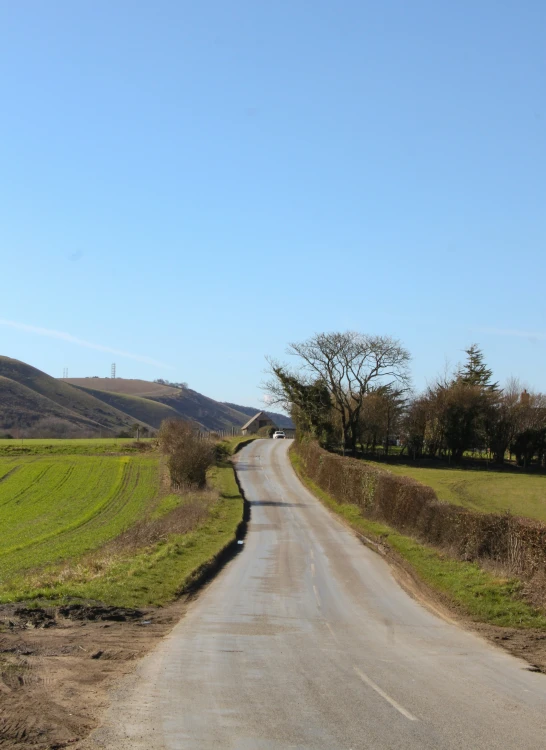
{"x": 306, "y": 641}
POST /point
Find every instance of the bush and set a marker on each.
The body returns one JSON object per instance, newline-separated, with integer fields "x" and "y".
{"x": 266, "y": 431}
{"x": 190, "y": 455}
{"x": 53, "y": 427}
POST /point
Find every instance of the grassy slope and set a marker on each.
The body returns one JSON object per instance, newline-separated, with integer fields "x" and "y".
{"x": 22, "y": 407}
{"x": 142, "y": 410}
{"x": 64, "y": 394}
{"x": 126, "y": 386}
{"x": 154, "y": 575}
{"x": 281, "y": 420}
{"x": 477, "y": 593}
{"x": 186, "y": 402}
{"x": 211, "y": 414}
{"x": 483, "y": 490}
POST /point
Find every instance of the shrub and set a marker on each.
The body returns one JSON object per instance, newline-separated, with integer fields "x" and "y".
{"x": 53, "y": 427}
{"x": 190, "y": 454}
{"x": 266, "y": 431}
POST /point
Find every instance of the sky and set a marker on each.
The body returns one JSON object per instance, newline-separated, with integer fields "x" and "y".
{"x": 187, "y": 187}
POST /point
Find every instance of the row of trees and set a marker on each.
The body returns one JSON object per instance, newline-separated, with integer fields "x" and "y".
{"x": 181, "y": 385}
{"x": 353, "y": 389}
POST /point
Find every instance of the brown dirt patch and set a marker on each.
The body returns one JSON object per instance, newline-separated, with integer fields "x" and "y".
{"x": 56, "y": 666}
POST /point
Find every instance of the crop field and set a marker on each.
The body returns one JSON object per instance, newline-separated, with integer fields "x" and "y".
{"x": 56, "y": 507}
{"x": 483, "y": 490}
{"x": 94, "y": 519}
{"x": 70, "y": 446}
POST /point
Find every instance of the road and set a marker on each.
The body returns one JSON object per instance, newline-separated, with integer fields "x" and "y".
{"x": 306, "y": 641}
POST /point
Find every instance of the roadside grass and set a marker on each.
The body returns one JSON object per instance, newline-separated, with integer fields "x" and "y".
{"x": 484, "y": 490}
{"x": 475, "y": 592}
{"x": 231, "y": 445}
{"x": 145, "y": 558}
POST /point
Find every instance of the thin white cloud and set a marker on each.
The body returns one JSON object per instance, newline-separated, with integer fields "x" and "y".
{"x": 81, "y": 342}
{"x": 514, "y": 333}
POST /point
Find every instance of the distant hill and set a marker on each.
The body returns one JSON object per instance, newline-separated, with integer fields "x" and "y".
{"x": 281, "y": 420}
{"x": 182, "y": 402}
{"x": 142, "y": 410}
{"x": 23, "y": 408}
{"x": 33, "y": 403}
{"x": 32, "y": 400}
{"x": 127, "y": 386}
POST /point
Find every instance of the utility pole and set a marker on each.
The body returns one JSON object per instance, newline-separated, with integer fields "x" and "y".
{"x": 113, "y": 371}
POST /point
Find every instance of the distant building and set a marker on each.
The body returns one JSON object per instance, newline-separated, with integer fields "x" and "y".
{"x": 258, "y": 421}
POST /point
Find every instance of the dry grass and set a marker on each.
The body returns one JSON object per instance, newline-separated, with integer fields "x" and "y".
{"x": 192, "y": 512}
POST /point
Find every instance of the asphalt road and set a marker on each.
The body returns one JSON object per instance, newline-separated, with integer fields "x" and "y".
{"x": 305, "y": 640}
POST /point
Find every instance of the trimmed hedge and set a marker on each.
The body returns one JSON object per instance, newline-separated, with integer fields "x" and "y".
{"x": 517, "y": 544}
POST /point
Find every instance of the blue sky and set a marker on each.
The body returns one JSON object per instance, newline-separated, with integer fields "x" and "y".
{"x": 197, "y": 184}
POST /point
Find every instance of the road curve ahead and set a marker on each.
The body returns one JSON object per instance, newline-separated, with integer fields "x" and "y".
{"x": 306, "y": 641}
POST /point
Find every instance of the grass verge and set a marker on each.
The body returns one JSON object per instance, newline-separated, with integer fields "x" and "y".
{"x": 473, "y": 591}
{"x": 234, "y": 444}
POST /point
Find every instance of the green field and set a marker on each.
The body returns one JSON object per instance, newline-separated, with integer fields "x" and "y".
{"x": 70, "y": 446}
{"x": 89, "y": 519}
{"x": 487, "y": 491}
{"x": 56, "y": 507}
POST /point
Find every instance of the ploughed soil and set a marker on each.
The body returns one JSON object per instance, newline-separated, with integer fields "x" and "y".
{"x": 57, "y": 664}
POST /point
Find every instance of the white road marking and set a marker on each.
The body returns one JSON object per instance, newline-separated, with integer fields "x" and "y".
{"x": 313, "y": 569}
{"x": 383, "y": 694}
{"x": 317, "y": 597}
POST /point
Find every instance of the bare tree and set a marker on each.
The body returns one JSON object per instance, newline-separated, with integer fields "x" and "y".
{"x": 349, "y": 364}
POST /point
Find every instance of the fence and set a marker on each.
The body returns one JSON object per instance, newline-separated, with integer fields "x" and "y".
{"x": 213, "y": 434}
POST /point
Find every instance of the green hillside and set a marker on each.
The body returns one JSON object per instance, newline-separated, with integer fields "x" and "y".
{"x": 21, "y": 407}
{"x": 83, "y": 407}
{"x": 30, "y": 400}
{"x": 186, "y": 403}
{"x": 127, "y": 386}
{"x": 281, "y": 420}
{"x": 212, "y": 414}
{"x": 140, "y": 409}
